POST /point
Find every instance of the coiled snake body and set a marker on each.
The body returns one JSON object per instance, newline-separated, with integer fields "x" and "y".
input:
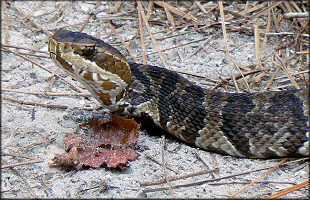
{"x": 261, "y": 125}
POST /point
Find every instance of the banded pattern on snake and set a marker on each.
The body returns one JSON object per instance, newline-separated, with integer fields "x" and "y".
{"x": 253, "y": 125}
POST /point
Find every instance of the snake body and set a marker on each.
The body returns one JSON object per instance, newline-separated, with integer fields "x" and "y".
{"x": 253, "y": 125}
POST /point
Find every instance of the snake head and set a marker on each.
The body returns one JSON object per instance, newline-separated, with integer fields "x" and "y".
{"x": 102, "y": 69}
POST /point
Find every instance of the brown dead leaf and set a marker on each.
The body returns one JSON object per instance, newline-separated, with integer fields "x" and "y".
{"x": 107, "y": 142}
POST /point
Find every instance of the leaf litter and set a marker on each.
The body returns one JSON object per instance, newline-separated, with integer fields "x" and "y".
{"x": 106, "y": 143}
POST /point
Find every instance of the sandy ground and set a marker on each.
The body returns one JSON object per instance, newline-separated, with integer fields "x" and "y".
{"x": 38, "y": 131}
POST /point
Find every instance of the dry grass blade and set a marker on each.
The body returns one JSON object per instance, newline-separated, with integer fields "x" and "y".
{"x": 21, "y": 163}
{"x": 235, "y": 14}
{"x": 262, "y": 176}
{"x": 176, "y": 46}
{"x": 226, "y": 44}
{"x": 296, "y": 15}
{"x": 164, "y": 166}
{"x": 149, "y": 10}
{"x": 238, "y": 76}
{"x": 303, "y": 52}
{"x": 152, "y": 37}
{"x": 31, "y": 21}
{"x": 206, "y": 181}
{"x": 23, "y": 179}
{"x": 169, "y": 16}
{"x": 26, "y": 48}
{"x": 6, "y": 19}
{"x": 287, "y": 72}
{"x": 273, "y": 77}
{"x": 200, "y": 47}
{"x": 32, "y": 103}
{"x": 243, "y": 77}
{"x": 174, "y": 178}
{"x": 46, "y": 69}
{"x": 289, "y": 190}
{"x": 177, "y": 11}
{"x": 19, "y": 155}
{"x": 257, "y": 47}
{"x": 201, "y": 7}
{"x": 123, "y": 42}
{"x": 142, "y": 34}
{"x": 48, "y": 93}
{"x": 89, "y": 16}
{"x": 265, "y": 9}
{"x": 266, "y": 32}
{"x": 159, "y": 163}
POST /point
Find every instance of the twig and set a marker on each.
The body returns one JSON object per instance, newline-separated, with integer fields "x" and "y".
{"x": 266, "y": 32}
{"x": 168, "y": 14}
{"x": 9, "y": 140}
{"x": 257, "y": 47}
{"x": 262, "y": 176}
{"x": 176, "y": 46}
{"x": 124, "y": 43}
{"x": 264, "y": 10}
{"x": 152, "y": 37}
{"x": 20, "y": 155}
{"x": 238, "y": 76}
{"x": 165, "y": 167}
{"x": 303, "y": 52}
{"x": 142, "y": 34}
{"x": 201, "y": 7}
{"x": 287, "y": 72}
{"x": 32, "y": 103}
{"x": 286, "y": 33}
{"x": 21, "y": 163}
{"x": 296, "y": 15}
{"x": 247, "y": 182}
{"x": 6, "y": 19}
{"x": 48, "y": 93}
{"x": 44, "y": 68}
{"x": 23, "y": 178}
{"x": 177, "y": 11}
{"x": 200, "y": 46}
{"x": 243, "y": 77}
{"x": 89, "y": 16}
{"x": 174, "y": 178}
{"x": 226, "y": 45}
{"x": 41, "y": 104}
{"x": 159, "y": 163}
{"x": 273, "y": 77}
{"x": 289, "y": 190}
{"x": 301, "y": 72}
{"x": 31, "y": 54}
{"x": 50, "y": 84}
{"x": 217, "y": 179}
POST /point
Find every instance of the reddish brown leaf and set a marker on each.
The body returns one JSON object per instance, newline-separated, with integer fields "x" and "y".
{"x": 107, "y": 142}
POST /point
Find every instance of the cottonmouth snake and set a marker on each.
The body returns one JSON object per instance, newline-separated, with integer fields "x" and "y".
{"x": 253, "y": 125}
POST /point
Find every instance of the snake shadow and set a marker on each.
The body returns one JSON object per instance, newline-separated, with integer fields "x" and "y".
{"x": 153, "y": 130}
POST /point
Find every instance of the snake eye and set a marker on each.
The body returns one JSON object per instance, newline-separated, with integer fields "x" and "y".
{"x": 89, "y": 51}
